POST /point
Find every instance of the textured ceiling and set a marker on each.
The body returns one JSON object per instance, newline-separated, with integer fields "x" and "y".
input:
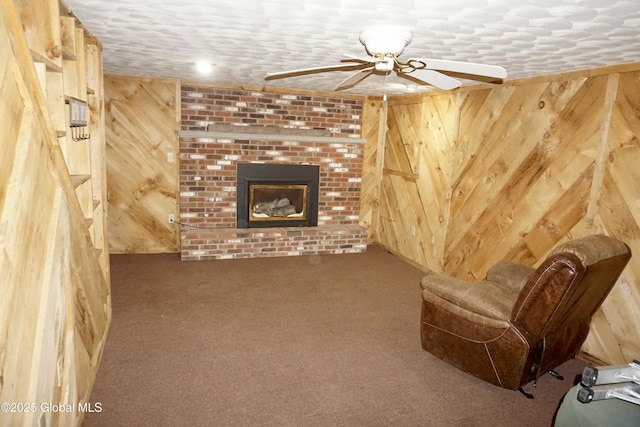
{"x": 245, "y": 39}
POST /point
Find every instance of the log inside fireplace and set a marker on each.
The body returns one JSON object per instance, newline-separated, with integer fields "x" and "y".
{"x": 277, "y": 195}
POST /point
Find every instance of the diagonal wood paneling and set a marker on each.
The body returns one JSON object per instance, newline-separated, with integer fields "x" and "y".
{"x": 141, "y": 129}
{"x": 55, "y": 307}
{"x": 615, "y": 332}
{"x": 416, "y": 177}
{"x": 509, "y": 172}
{"x": 515, "y": 177}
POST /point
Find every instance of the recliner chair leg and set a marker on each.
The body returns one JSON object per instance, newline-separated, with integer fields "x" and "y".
{"x": 528, "y": 395}
{"x": 555, "y": 375}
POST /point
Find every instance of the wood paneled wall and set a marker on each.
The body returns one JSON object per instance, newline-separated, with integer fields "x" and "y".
{"x": 54, "y": 292}
{"x": 142, "y": 124}
{"x": 464, "y": 178}
{"x": 508, "y": 172}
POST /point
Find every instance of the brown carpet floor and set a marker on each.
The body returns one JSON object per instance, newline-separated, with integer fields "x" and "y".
{"x": 298, "y": 341}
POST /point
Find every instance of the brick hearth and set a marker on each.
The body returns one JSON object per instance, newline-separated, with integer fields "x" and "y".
{"x": 208, "y": 163}
{"x": 270, "y": 242}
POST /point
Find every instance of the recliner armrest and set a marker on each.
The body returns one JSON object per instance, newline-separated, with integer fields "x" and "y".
{"x": 510, "y": 274}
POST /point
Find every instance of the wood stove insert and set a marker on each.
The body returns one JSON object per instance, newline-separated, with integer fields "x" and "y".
{"x": 277, "y": 195}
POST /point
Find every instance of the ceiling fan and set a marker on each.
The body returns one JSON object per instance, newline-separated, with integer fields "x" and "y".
{"x": 384, "y": 45}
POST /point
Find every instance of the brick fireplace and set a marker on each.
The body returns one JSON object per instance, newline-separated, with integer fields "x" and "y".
{"x": 224, "y": 129}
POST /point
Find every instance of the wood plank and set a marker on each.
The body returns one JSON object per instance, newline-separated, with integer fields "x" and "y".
{"x": 68, "y": 37}
{"x": 41, "y": 24}
{"x": 592, "y": 207}
{"x": 78, "y": 180}
{"x": 369, "y": 191}
{"x": 12, "y": 109}
{"x": 383, "y": 115}
{"x": 268, "y": 137}
{"x": 601, "y": 341}
{"x": 144, "y": 187}
{"x": 55, "y": 103}
{"x": 406, "y": 175}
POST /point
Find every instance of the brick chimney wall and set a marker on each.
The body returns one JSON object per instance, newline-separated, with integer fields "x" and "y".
{"x": 208, "y": 168}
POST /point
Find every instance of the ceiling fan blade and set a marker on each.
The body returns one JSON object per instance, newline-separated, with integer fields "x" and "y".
{"x": 354, "y": 78}
{"x": 304, "y": 71}
{"x": 469, "y": 68}
{"x": 432, "y": 77}
{"x": 371, "y": 59}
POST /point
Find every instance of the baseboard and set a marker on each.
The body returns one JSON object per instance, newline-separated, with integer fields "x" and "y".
{"x": 402, "y": 257}
{"x": 591, "y": 360}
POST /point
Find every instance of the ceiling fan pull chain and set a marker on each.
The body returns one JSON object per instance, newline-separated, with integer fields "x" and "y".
{"x": 384, "y": 90}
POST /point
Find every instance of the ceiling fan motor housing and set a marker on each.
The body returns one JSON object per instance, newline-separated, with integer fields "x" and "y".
{"x": 386, "y": 65}
{"x": 385, "y": 40}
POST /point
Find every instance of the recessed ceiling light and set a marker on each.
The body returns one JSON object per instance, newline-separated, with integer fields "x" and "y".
{"x": 204, "y": 67}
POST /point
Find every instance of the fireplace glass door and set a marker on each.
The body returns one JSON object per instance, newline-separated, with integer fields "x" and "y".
{"x": 277, "y": 202}
{"x": 277, "y": 195}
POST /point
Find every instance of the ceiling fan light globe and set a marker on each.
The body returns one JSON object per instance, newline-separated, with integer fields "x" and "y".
{"x": 385, "y": 39}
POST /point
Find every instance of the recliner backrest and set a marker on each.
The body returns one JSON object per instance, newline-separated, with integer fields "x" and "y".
{"x": 570, "y": 285}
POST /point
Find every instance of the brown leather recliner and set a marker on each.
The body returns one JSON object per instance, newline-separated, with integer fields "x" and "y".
{"x": 521, "y": 322}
